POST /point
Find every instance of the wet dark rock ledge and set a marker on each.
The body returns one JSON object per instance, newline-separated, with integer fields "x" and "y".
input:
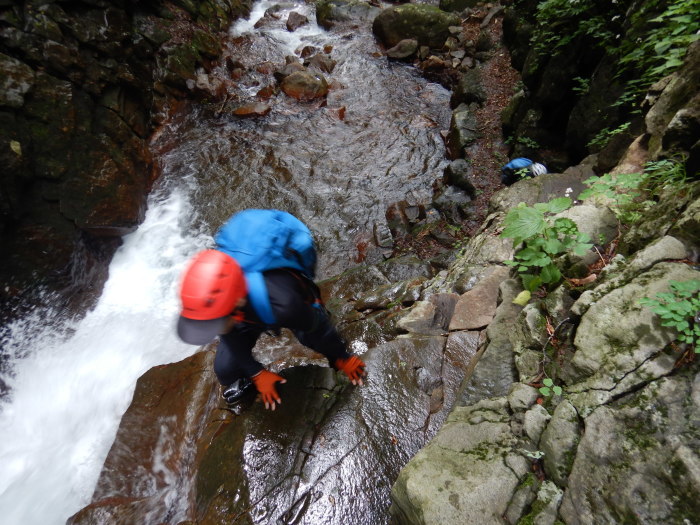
{"x": 83, "y": 86}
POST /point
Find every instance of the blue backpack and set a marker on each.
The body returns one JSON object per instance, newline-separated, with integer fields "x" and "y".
{"x": 509, "y": 172}
{"x": 262, "y": 240}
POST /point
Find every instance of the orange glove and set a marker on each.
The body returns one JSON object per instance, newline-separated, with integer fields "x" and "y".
{"x": 265, "y": 383}
{"x": 353, "y": 367}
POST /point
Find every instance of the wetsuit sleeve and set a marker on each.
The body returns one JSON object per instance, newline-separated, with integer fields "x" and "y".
{"x": 292, "y": 298}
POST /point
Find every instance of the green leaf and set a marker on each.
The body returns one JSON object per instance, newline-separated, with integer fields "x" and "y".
{"x": 585, "y": 194}
{"x": 521, "y": 223}
{"x": 528, "y": 254}
{"x": 557, "y": 390}
{"x": 542, "y": 260}
{"x": 553, "y": 246}
{"x": 522, "y": 298}
{"x": 582, "y": 249}
{"x": 531, "y": 282}
{"x": 547, "y": 382}
{"x": 564, "y": 225}
{"x": 550, "y": 274}
{"x": 559, "y": 204}
{"x": 544, "y": 391}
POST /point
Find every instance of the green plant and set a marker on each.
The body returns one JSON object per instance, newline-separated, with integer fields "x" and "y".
{"x": 647, "y": 42}
{"x": 544, "y": 237}
{"x": 660, "y": 49}
{"x": 604, "y": 135}
{"x": 679, "y": 309}
{"x": 620, "y": 192}
{"x": 630, "y": 194}
{"x": 582, "y": 85}
{"x": 538, "y": 454}
{"x": 524, "y": 141}
{"x": 560, "y": 22}
{"x": 549, "y": 388}
{"x": 663, "y": 174}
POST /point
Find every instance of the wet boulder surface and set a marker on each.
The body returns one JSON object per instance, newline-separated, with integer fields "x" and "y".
{"x": 327, "y": 454}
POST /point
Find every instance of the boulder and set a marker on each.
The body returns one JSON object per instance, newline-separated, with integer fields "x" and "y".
{"x": 639, "y": 456}
{"x": 404, "y": 49}
{"x": 322, "y": 62}
{"x": 469, "y": 89}
{"x": 459, "y": 173}
{"x": 464, "y": 130}
{"x": 615, "y": 353}
{"x": 457, "y": 6}
{"x": 295, "y": 21}
{"x": 476, "y": 308}
{"x": 427, "y": 24}
{"x": 304, "y": 85}
{"x": 673, "y": 118}
{"x": 254, "y": 109}
{"x": 467, "y": 474}
{"x": 332, "y": 12}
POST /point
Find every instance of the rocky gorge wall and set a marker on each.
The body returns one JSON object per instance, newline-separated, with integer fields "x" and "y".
{"x": 619, "y": 443}
{"x": 84, "y": 84}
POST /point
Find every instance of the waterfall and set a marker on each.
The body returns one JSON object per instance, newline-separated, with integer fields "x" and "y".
{"x": 72, "y": 379}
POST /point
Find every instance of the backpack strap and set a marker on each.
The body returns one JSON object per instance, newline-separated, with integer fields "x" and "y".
{"x": 259, "y": 299}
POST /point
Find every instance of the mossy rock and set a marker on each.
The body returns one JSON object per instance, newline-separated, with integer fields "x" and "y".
{"x": 427, "y": 24}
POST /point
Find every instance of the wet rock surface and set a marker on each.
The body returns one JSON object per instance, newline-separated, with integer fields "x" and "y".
{"x": 84, "y": 85}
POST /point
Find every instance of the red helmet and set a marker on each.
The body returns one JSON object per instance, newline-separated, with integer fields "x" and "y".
{"x": 211, "y": 286}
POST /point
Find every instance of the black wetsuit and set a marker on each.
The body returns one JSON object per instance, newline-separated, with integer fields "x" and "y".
{"x": 291, "y": 297}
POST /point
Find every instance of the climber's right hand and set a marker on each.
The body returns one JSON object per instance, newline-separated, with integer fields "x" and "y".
{"x": 265, "y": 383}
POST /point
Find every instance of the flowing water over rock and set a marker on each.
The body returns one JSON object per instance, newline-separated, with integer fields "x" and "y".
{"x": 337, "y": 165}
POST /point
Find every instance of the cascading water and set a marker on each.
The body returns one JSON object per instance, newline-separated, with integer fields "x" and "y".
{"x": 74, "y": 381}
{"x": 70, "y": 381}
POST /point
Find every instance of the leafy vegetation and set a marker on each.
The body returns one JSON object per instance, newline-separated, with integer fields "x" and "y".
{"x": 647, "y": 42}
{"x": 524, "y": 141}
{"x": 679, "y": 309}
{"x": 604, "y": 135}
{"x": 544, "y": 238}
{"x": 549, "y": 388}
{"x": 660, "y": 50}
{"x": 630, "y": 194}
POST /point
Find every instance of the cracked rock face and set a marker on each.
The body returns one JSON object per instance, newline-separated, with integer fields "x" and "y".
{"x": 638, "y": 457}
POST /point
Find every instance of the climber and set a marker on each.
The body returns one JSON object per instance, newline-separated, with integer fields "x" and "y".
{"x": 521, "y": 168}
{"x": 252, "y": 283}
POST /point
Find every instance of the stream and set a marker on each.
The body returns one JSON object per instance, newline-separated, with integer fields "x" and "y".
{"x": 337, "y": 165}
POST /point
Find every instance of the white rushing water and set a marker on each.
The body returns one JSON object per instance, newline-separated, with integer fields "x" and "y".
{"x": 68, "y": 393}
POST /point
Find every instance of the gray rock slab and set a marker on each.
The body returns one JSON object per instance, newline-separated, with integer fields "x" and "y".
{"x": 639, "y": 457}
{"x": 467, "y": 474}
{"x": 477, "y": 307}
{"x": 619, "y": 343}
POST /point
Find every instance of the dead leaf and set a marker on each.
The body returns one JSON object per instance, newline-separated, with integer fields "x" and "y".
{"x": 584, "y": 281}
